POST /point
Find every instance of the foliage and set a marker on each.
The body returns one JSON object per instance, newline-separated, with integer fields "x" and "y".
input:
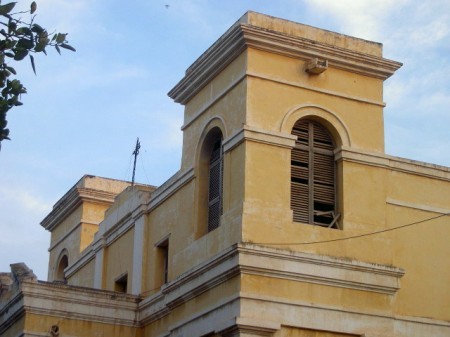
{"x": 19, "y": 39}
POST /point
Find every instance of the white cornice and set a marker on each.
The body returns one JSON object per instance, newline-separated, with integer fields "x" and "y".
{"x": 306, "y": 49}
{"x": 258, "y": 135}
{"x": 177, "y": 181}
{"x": 332, "y": 272}
{"x": 253, "y": 259}
{"x": 242, "y": 36}
{"x": 74, "y": 198}
{"x": 393, "y": 163}
{"x": 80, "y": 303}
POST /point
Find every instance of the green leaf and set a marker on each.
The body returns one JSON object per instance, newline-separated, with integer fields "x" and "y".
{"x": 12, "y": 70}
{"x": 58, "y": 50}
{"x": 33, "y": 7}
{"x": 25, "y": 43}
{"x": 36, "y": 28}
{"x": 24, "y": 31}
{"x": 12, "y": 26}
{"x": 40, "y": 46}
{"x": 20, "y": 54}
{"x": 4, "y": 134}
{"x": 60, "y": 38}
{"x": 32, "y": 64}
{"x": 5, "y": 9}
{"x": 66, "y": 46}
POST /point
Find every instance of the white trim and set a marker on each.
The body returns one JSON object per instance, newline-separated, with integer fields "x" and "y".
{"x": 166, "y": 190}
{"x": 242, "y": 36}
{"x": 421, "y": 207}
{"x": 138, "y": 254}
{"x": 360, "y": 99}
{"x": 99, "y": 257}
{"x": 398, "y": 164}
{"x": 214, "y": 100}
{"x": 70, "y": 231}
{"x": 249, "y": 133}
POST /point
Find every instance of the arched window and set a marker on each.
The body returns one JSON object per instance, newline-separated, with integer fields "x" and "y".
{"x": 313, "y": 190}
{"x": 215, "y": 179}
{"x": 62, "y": 264}
{"x": 210, "y": 180}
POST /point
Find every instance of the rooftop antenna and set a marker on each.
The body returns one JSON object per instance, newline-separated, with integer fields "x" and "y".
{"x": 135, "y": 153}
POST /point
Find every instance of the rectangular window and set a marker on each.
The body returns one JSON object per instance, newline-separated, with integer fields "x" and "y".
{"x": 163, "y": 261}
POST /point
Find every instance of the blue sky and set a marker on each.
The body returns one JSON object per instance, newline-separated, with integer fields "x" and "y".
{"x": 84, "y": 110}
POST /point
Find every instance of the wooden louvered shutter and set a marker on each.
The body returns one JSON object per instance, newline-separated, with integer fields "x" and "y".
{"x": 313, "y": 175}
{"x": 300, "y": 179}
{"x": 215, "y": 186}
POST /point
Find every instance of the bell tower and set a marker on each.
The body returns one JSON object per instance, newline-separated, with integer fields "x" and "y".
{"x": 291, "y": 102}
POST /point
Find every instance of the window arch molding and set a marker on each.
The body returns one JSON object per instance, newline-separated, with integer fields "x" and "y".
{"x": 213, "y": 123}
{"x": 333, "y": 123}
{"x": 61, "y": 263}
{"x": 209, "y": 196}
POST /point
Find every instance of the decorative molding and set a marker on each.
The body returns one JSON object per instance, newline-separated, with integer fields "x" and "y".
{"x": 241, "y": 36}
{"x": 81, "y": 262}
{"x": 246, "y": 325}
{"x": 211, "y": 63}
{"x": 71, "y": 200}
{"x": 305, "y": 49}
{"x": 80, "y": 303}
{"x": 315, "y": 89}
{"x": 259, "y": 135}
{"x": 397, "y": 164}
{"x": 11, "y": 312}
{"x": 253, "y": 259}
{"x": 166, "y": 190}
{"x": 213, "y": 100}
{"x": 70, "y": 231}
{"x": 303, "y": 267}
{"x": 340, "y": 320}
{"x": 421, "y": 207}
{"x": 317, "y": 111}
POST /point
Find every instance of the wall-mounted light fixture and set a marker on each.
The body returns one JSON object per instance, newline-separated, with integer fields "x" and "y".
{"x": 316, "y": 66}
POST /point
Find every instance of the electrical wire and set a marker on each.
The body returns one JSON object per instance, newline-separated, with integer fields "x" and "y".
{"x": 353, "y": 236}
{"x": 143, "y": 168}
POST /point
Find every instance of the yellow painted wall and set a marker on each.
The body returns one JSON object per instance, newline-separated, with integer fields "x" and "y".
{"x": 209, "y": 299}
{"x": 119, "y": 260}
{"x": 210, "y": 103}
{"x": 297, "y": 332}
{"x": 85, "y": 276}
{"x": 73, "y": 327}
{"x": 374, "y": 194}
{"x": 280, "y": 85}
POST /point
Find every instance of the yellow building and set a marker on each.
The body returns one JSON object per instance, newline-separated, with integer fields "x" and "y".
{"x": 286, "y": 218}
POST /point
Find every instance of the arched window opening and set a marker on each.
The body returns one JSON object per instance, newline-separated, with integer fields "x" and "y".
{"x": 313, "y": 190}
{"x": 63, "y": 264}
{"x": 215, "y": 185}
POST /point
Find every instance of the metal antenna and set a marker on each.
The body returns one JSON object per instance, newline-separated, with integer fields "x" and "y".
{"x": 135, "y": 153}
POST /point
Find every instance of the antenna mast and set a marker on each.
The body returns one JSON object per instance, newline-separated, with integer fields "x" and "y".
{"x": 135, "y": 153}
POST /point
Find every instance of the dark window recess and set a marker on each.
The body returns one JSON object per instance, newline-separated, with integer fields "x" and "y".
{"x": 313, "y": 190}
{"x": 121, "y": 284}
{"x": 215, "y": 186}
{"x": 163, "y": 253}
{"x": 60, "y": 275}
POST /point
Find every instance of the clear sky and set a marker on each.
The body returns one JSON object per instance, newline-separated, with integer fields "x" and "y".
{"x": 84, "y": 110}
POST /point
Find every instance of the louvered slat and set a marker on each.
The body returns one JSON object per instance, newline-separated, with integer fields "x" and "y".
{"x": 215, "y": 186}
{"x": 312, "y": 174}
